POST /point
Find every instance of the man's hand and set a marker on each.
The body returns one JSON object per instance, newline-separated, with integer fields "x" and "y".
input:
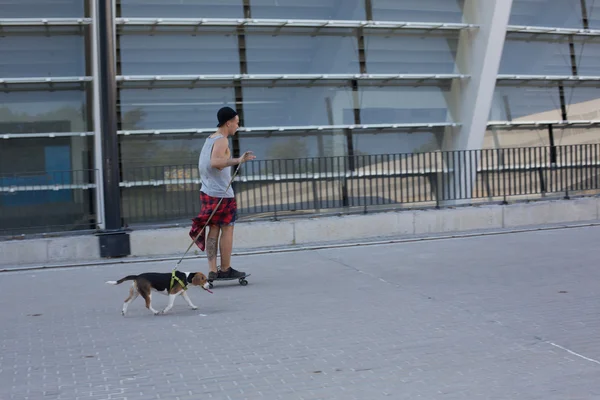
{"x": 247, "y": 156}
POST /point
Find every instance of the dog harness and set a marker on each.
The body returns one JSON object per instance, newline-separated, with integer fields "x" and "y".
{"x": 176, "y": 278}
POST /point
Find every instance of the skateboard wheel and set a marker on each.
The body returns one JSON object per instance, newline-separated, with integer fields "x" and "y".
{"x": 210, "y": 285}
{"x": 243, "y": 282}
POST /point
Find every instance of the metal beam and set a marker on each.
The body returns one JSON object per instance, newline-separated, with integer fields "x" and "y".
{"x": 524, "y": 78}
{"x": 34, "y": 188}
{"x": 44, "y": 21}
{"x": 305, "y": 128}
{"x": 114, "y": 241}
{"x": 44, "y": 135}
{"x": 543, "y": 124}
{"x": 542, "y": 30}
{"x": 49, "y": 80}
{"x": 97, "y": 118}
{"x": 273, "y": 78}
{"x": 289, "y": 23}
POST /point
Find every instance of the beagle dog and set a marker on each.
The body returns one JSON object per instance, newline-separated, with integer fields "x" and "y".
{"x": 171, "y": 284}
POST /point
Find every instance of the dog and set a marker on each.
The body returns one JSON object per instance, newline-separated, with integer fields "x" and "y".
{"x": 172, "y": 284}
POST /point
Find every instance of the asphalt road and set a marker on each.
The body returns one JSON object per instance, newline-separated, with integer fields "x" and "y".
{"x": 512, "y": 316}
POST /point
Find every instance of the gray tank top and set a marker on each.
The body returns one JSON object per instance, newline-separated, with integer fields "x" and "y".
{"x": 214, "y": 182}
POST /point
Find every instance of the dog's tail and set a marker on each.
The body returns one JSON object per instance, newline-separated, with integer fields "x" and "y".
{"x": 127, "y": 278}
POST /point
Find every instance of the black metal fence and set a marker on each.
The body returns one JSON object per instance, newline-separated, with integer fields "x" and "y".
{"x": 169, "y": 194}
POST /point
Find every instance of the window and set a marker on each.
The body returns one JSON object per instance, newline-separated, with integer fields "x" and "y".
{"x": 296, "y": 105}
{"x": 418, "y": 10}
{"x": 587, "y": 56}
{"x": 583, "y": 103}
{"x": 182, "y": 9}
{"x": 497, "y": 138}
{"x": 391, "y": 104}
{"x": 411, "y": 54}
{"x": 179, "y": 54}
{"x": 42, "y": 8}
{"x": 308, "y": 9}
{"x": 536, "y": 57}
{"x": 525, "y": 104}
{"x": 42, "y": 56}
{"x": 299, "y": 52}
{"x": 63, "y": 110}
{"x": 397, "y": 142}
{"x": 550, "y": 13}
{"x": 173, "y": 108}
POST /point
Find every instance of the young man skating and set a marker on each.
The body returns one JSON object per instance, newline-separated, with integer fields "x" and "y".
{"x": 214, "y": 165}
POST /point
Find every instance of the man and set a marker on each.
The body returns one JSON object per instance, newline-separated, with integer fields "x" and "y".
{"x": 214, "y": 165}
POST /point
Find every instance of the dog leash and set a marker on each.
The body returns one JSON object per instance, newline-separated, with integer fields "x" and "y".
{"x": 209, "y": 218}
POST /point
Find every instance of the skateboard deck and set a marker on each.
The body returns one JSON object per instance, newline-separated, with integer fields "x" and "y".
{"x": 241, "y": 279}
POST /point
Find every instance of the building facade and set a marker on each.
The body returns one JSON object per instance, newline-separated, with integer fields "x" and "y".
{"x": 326, "y": 78}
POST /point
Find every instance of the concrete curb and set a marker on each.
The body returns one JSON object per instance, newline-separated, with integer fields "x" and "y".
{"x": 172, "y": 242}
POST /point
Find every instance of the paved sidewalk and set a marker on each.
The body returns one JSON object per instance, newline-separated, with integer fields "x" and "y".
{"x": 498, "y": 317}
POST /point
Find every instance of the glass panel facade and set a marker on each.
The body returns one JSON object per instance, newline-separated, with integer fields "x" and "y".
{"x": 172, "y": 108}
{"x": 41, "y": 8}
{"x": 593, "y": 14}
{"x": 525, "y": 104}
{"x": 536, "y": 57}
{"x": 42, "y": 56}
{"x": 500, "y": 138}
{"x": 411, "y": 54}
{"x": 148, "y": 151}
{"x": 587, "y": 56}
{"x": 297, "y": 106}
{"x": 397, "y": 142}
{"x": 301, "y": 52}
{"x": 43, "y": 111}
{"x": 179, "y": 54}
{"x": 308, "y": 9}
{"x": 418, "y": 10}
{"x": 267, "y": 106}
{"x": 285, "y": 146}
{"x": 182, "y": 9}
{"x": 548, "y": 13}
{"x": 403, "y": 104}
{"x": 574, "y": 136}
{"x": 582, "y": 103}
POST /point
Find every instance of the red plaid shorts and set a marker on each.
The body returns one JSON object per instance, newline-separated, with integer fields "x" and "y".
{"x": 225, "y": 214}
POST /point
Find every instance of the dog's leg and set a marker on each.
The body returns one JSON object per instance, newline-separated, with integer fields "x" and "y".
{"x": 189, "y": 301}
{"x": 145, "y": 290}
{"x": 171, "y": 301}
{"x": 133, "y": 294}
{"x": 149, "y": 304}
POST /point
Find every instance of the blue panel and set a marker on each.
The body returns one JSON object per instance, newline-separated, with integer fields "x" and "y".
{"x": 57, "y": 166}
{"x": 58, "y": 169}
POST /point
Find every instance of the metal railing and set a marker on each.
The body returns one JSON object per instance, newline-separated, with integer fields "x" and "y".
{"x": 308, "y": 186}
{"x": 271, "y": 189}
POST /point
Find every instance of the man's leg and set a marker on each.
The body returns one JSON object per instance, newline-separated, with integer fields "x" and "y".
{"x": 211, "y": 250}
{"x": 226, "y": 247}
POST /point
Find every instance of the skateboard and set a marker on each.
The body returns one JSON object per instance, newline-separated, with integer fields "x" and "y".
{"x": 242, "y": 280}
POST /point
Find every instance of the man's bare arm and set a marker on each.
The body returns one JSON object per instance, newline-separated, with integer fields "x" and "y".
{"x": 220, "y": 155}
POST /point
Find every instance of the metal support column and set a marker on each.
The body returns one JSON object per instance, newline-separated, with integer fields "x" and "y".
{"x": 479, "y": 54}
{"x": 114, "y": 240}
{"x": 97, "y": 117}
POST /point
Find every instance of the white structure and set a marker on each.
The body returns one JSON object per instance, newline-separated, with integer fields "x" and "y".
{"x": 310, "y": 79}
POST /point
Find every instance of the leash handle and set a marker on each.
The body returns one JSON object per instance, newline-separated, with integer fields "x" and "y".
{"x": 211, "y": 215}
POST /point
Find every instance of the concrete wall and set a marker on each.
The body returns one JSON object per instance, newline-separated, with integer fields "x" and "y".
{"x": 250, "y": 235}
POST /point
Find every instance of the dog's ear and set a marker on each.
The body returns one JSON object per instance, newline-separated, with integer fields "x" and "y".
{"x": 199, "y": 279}
{"x": 190, "y": 277}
